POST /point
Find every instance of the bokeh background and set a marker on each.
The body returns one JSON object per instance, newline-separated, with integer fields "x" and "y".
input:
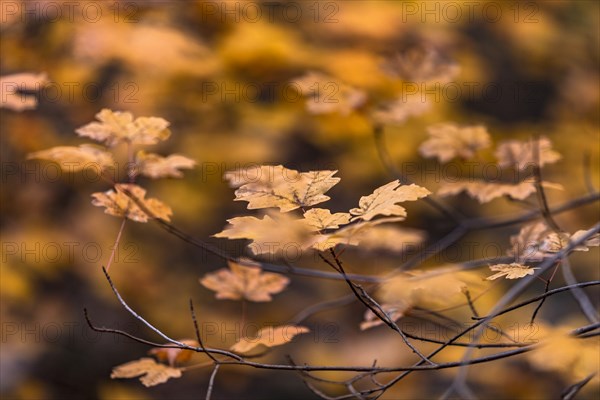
{"x": 533, "y": 68}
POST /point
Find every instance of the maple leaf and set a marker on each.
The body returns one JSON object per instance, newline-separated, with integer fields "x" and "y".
{"x": 116, "y": 127}
{"x": 155, "y": 166}
{"x": 275, "y": 233}
{"x": 174, "y": 355}
{"x": 421, "y": 63}
{"x": 327, "y": 95}
{"x": 151, "y": 373}
{"x": 521, "y": 154}
{"x": 398, "y": 111}
{"x": 71, "y": 158}
{"x": 393, "y": 311}
{"x": 120, "y": 204}
{"x": 269, "y": 337}
{"x": 487, "y": 191}
{"x": 510, "y": 271}
{"x": 438, "y": 288}
{"x": 244, "y": 282}
{"x": 535, "y": 240}
{"x": 15, "y": 89}
{"x": 383, "y": 201}
{"x": 448, "y": 141}
{"x": 320, "y": 219}
{"x": 285, "y": 188}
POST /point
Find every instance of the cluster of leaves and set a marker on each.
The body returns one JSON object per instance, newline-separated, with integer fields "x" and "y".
{"x": 318, "y": 228}
{"x": 126, "y": 200}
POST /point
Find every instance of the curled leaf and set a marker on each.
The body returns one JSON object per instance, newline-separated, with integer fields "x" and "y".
{"x": 510, "y": 271}
{"x": 383, "y": 201}
{"x": 269, "y": 337}
{"x": 244, "y": 282}
{"x": 173, "y": 355}
{"x": 150, "y": 372}
{"x": 119, "y": 204}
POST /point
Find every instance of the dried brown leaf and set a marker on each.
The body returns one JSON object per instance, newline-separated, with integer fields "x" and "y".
{"x": 150, "y": 372}
{"x": 71, "y": 158}
{"x": 521, "y": 154}
{"x": 155, "y": 166}
{"x": 447, "y": 141}
{"x": 510, "y": 271}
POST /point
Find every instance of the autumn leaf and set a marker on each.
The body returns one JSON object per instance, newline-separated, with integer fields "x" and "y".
{"x": 321, "y": 219}
{"x": 155, "y": 166}
{"x": 71, "y": 158}
{"x": 521, "y": 154}
{"x": 440, "y": 288}
{"x": 487, "y": 191}
{"x": 510, "y": 271}
{"x": 286, "y": 189}
{"x": 174, "y": 355}
{"x": 421, "y": 63}
{"x": 15, "y": 90}
{"x": 116, "y": 127}
{"x": 150, "y": 372}
{"x": 393, "y": 311}
{"x": 244, "y": 282}
{"x": 398, "y": 111}
{"x": 383, "y": 201}
{"x": 447, "y": 141}
{"x": 120, "y": 204}
{"x": 275, "y": 233}
{"x": 558, "y": 351}
{"x": 535, "y": 240}
{"x": 327, "y": 95}
{"x": 269, "y": 337}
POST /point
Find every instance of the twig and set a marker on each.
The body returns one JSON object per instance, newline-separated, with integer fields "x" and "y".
{"x": 211, "y": 382}
{"x": 570, "y": 392}
{"x": 582, "y": 299}
{"x": 195, "y": 321}
{"x": 114, "y": 249}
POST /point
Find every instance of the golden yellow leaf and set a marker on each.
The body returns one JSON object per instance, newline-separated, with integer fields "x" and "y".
{"x": 327, "y": 95}
{"x": 383, "y": 201}
{"x": 398, "y": 111}
{"x": 150, "y": 372}
{"x": 488, "y": 191}
{"x": 440, "y": 288}
{"x": 269, "y": 337}
{"x": 349, "y": 235}
{"x": 560, "y": 352}
{"x": 284, "y": 188}
{"x": 12, "y": 88}
{"x": 116, "y": 126}
{"x": 393, "y": 311}
{"x": 173, "y": 355}
{"x": 447, "y": 141}
{"x": 510, "y": 271}
{"x": 71, "y": 158}
{"x": 155, "y": 166}
{"x": 244, "y": 282}
{"x": 120, "y": 205}
{"x": 536, "y": 239}
{"x": 320, "y": 219}
{"x": 275, "y": 233}
{"x": 521, "y": 154}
